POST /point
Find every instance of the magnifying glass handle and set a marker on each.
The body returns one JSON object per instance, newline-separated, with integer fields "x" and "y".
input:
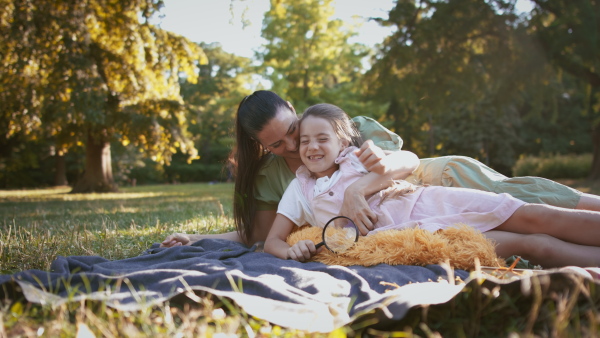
{"x": 320, "y": 245}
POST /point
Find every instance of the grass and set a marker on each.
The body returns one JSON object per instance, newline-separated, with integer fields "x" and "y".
{"x": 38, "y": 225}
{"x": 115, "y": 226}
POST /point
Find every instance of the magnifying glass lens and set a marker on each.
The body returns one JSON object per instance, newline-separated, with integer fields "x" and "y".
{"x": 340, "y": 234}
{"x": 339, "y": 239}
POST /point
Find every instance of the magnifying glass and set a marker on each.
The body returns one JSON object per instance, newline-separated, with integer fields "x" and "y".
{"x": 339, "y": 234}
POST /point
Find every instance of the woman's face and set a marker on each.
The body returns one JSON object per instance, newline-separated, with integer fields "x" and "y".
{"x": 319, "y": 146}
{"x": 280, "y": 135}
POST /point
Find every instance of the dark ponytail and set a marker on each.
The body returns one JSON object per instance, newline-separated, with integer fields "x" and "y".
{"x": 253, "y": 113}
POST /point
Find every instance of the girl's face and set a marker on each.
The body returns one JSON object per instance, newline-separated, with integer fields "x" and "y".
{"x": 280, "y": 135}
{"x": 319, "y": 146}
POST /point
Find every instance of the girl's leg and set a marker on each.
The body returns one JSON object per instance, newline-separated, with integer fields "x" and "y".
{"x": 547, "y": 251}
{"x": 589, "y": 202}
{"x": 575, "y": 226}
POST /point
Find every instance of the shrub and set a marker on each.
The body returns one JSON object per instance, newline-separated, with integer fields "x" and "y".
{"x": 194, "y": 172}
{"x": 554, "y": 166}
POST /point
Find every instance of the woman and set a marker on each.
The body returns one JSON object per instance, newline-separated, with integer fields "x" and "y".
{"x": 266, "y": 159}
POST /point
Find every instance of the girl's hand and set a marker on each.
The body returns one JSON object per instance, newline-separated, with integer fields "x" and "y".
{"x": 372, "y": 157}
{"x": 355, "y": 207}
{"x": 176, "y": 239}
{"x": 303, "y": 251}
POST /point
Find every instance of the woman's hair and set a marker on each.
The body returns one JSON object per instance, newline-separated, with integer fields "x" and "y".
{"x": 343, "y": 127}
{"x": 253, "y": 113}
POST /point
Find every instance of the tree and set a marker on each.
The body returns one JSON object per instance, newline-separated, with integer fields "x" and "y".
{"x": 307, "y": 52}
{"x": 450, "y": 68}
{"x": 569, "y": 32}
{"x": 88, "y": 72}
{"x": 212, "y": 102}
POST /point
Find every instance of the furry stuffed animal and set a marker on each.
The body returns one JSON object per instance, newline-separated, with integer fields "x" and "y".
{"x": 412, "y": 246}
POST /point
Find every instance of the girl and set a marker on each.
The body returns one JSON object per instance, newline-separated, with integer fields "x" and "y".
{"x": 546, "y": 235}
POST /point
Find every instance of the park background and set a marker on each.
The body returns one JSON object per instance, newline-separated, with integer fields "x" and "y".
{"x": 98, "y": 94}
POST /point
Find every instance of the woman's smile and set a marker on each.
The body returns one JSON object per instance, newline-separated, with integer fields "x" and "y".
{"x": 280, "y": 135}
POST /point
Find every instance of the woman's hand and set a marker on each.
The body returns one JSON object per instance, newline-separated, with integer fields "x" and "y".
{"x": 396, "y": 165}
{"x": 355, "y": 207}
{"x": 383, "y": 169}
{"x": 176, "y": 239}
{"x": 373, "y": 158}
{"x": 303, "y": 251}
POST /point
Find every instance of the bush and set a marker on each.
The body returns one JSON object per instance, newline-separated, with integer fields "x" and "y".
{"x": 194, "y": 172}
{"x": 554, "y": 166}
{"x": 177, "y": 172}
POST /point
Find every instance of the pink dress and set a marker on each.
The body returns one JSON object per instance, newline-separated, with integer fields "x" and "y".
{"x": 431, "y": 207}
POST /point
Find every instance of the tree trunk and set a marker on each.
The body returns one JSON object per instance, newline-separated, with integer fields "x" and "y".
{"x": 97, "y": 176}
{"x": 60, "y": 173}
{"x": 595, "y": 174}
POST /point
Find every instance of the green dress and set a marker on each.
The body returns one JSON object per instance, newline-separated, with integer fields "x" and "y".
{"x": 450, "y": 171}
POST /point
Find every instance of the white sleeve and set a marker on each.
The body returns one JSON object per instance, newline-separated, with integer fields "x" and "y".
{"x": 294, "y": 205}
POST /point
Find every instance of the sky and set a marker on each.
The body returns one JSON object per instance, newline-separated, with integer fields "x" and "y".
{"x": 213, "y": 21}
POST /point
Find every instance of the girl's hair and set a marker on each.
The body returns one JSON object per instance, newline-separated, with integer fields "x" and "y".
{"x": 343, "y": 127}
{"x": 253, "y": 113}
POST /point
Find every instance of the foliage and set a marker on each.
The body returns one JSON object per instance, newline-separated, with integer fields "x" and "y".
{"x": 554, "y": 167}
{"x": 470, "y": 77}
{"x": 212, "y": 104}
{"x": 88, "y": 72}
{"x": 555, "y": 124}
{"x": 568, "y": 34}
{"x": 446, "y": 72}
{"x": 307, "y": 52}
{"x": 467, "y": 77}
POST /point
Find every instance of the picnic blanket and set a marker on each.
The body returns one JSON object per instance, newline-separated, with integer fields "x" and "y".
{"x": 307, "y": 296}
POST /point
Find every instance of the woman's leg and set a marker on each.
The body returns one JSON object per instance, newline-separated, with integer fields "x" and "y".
{"x": 544, "y": 250}
{"x": 589, "y": 202}
{"x": 570, "y": 225}
{"x": 466, "y": 172}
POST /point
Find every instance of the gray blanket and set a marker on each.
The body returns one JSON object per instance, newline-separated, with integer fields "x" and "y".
{"x": 306, "y": 296}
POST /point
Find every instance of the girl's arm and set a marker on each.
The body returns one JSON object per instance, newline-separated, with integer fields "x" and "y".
{"x": 383, "y": 169}
{"x": 277, "y": 246}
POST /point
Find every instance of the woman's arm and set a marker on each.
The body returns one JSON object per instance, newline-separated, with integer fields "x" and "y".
{"x": 383, "y": 169}
{"x": 277, "y": 246}
{"x": 262, "y": 224}
{"x": 178, "y": 239}
{"x": 263, "y": 221}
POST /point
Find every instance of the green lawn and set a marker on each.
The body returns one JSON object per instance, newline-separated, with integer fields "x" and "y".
{"x": 40, "y": 224}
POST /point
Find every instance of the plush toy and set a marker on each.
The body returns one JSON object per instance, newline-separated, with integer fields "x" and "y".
{"x": 457, "y": 245}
